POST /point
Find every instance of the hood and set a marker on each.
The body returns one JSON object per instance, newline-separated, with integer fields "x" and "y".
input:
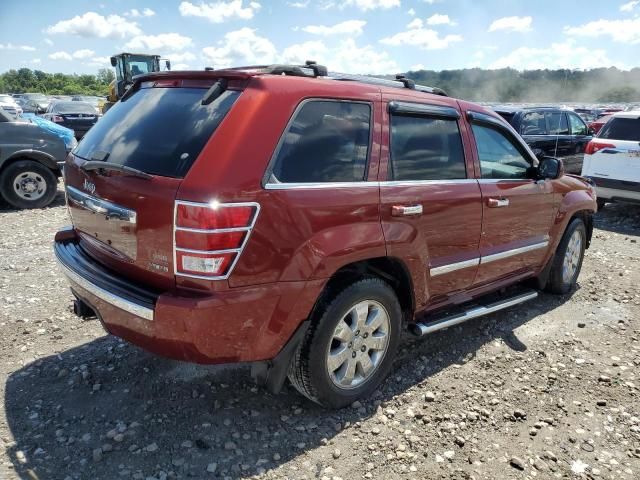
{"x": 66, "y": 134}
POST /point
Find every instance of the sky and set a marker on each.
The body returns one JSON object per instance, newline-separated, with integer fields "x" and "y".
{"x": 355, "y": 36}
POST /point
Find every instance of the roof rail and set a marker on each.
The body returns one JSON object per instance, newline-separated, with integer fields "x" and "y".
{"x": 401, "y": 82}
{"x": 312, "y": 69}
{"x": 309, "y": 69}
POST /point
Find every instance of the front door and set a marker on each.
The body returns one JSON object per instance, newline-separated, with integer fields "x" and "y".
{"x": 517, "y": 209}
{"x": 430, "y": 203}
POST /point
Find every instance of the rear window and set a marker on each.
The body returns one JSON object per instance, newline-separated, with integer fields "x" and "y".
{"x": 160, "y": 131}
{"x": 73, "y": 107}
{"x": 619, "y": 128}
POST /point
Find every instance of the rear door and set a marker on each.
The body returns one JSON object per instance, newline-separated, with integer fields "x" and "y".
{"x": 431, "y": 204}
{"x": 517, "y": 210}
{"x": 124, "y": 221}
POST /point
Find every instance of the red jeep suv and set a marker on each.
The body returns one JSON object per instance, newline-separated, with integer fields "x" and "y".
{"x": 302, "y": 220}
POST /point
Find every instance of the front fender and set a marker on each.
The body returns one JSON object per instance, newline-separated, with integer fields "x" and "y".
{"x": 43, "y": 157}
{"x": 572, "y": 202}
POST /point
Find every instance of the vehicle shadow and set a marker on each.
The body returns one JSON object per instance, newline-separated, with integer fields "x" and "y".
{"x": 621, "y": 218}
{"x": 150, "y": 415}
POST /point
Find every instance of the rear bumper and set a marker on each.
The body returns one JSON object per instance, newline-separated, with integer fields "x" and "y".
{"x": 236, "y": 325}
{"x": 612, "y": 189}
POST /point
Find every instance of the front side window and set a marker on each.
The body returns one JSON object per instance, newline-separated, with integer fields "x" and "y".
{"x": 533, "y": 123}
{"x": 578, "y": 127}
{"x": 499, "y": 156}
{"x": 557, "y": 123}
{"x": 424, "y": 148}
{"x": 327, "y": 141}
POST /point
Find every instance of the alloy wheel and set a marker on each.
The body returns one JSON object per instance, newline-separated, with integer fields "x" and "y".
{"x": 358, "y": 344}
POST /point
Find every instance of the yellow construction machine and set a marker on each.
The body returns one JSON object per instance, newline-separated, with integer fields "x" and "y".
{"x": 129, "y": 65}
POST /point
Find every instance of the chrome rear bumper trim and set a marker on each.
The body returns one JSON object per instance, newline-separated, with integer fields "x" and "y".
{"x": 104, "y": 295}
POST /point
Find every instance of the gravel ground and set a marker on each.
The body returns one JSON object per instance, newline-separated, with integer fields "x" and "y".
{"x": 546, "y": 390}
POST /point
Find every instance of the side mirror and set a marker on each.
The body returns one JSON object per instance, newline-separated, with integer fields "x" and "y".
{"x": 114, "y": 61}
{"x": 591, "y": 131}
{"x": 167, "y": 64}
{"x": 550, "y": 167}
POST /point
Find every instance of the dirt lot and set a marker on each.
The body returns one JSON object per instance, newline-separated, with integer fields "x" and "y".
{"x": 546, "y": 390}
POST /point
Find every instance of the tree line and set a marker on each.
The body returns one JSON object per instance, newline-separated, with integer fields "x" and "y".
{"x": 504, "y": 85}
{"x": 509, "y": 85}
{"x": 27, "y": 80}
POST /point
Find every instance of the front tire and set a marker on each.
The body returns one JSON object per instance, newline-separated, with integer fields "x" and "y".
{"x": 350, "y": 345}
{"x": 568, "y": 258}
{"x": 28, "y": 184}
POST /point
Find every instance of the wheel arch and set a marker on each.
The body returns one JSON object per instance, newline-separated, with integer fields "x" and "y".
{"x": 41, "y": 157}
{"x": 389, "y": 269}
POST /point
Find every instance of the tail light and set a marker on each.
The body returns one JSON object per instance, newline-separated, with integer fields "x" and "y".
{"x": 57, "y": 119}
{"x": 594, "y": 146}
{"x": 209, "y": 237}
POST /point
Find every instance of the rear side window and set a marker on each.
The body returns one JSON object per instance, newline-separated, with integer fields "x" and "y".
{"x": 557, "y": 123}
{"x": 424, "y": 148}
{"x": 160, "y": 131}
{"x": 619, "y": 128}
{"x": 533, "y": 123}
{"x": 327, "y": 141}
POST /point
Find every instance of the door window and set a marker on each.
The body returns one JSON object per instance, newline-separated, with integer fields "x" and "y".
{"x": 499, "y": 157}
{"x": 557, "y": 123}
{"x": 578, "y": 127}
{"x": 328, "y": 141}
{"x": 533, "y": 123}
{"x": 424, "y": 148}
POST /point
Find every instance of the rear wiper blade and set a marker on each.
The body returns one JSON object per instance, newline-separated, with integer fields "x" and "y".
{"x": 99, "y": 165}
{"x": 215, "y": 91}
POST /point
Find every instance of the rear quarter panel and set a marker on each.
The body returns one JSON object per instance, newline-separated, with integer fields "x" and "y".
{"x": 300, "y": 234}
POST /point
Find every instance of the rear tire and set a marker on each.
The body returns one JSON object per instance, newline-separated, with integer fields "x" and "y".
{"x": 568, "y": 258}
{"x": 350, "y": 345}
{"x": 28, "y": 184}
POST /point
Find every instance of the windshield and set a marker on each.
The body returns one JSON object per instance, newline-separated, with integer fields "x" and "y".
{"x": 620, "y": 128}
{"x": 6, "y": 99}
{"x": 73, "y": 107}
{"x": 36, "y": 96}
{"x": 157, "y": 130}
{"x": 91, "y": 100}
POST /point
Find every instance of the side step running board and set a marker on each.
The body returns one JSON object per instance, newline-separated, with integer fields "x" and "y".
{"x": 420, "y": 329}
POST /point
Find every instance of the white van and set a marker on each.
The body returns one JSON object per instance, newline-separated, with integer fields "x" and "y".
{"x": 612, "y": 159}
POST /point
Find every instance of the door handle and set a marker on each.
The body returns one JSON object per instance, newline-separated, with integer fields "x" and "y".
{"x": 497, "y": 202}
{"x": 406, "y": 210}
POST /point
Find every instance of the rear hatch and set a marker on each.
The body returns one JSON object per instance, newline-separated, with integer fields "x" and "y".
{"x": 615, "y": 153}
{"x": 125, "y": 219}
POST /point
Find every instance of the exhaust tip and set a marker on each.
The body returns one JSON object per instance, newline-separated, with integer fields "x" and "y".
{"x": 82, "y": 310}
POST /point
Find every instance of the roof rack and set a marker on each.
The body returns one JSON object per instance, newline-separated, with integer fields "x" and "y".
{"x": 402, "y": 82}
{"x": 312, "y": 69}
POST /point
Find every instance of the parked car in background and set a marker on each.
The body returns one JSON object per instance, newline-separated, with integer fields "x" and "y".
{"x": 9, "y": 105}
{"x": 31, "y": 158}
{"x": 39, "y": 99}
{"x": 78, "y": 116}
{"x": 306, "y": 231}
{"x": 97, "y": 102}
{"x": 612, "y": 159}
{"x": 552, "y": 132}
{"x": 597, "y": 124}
